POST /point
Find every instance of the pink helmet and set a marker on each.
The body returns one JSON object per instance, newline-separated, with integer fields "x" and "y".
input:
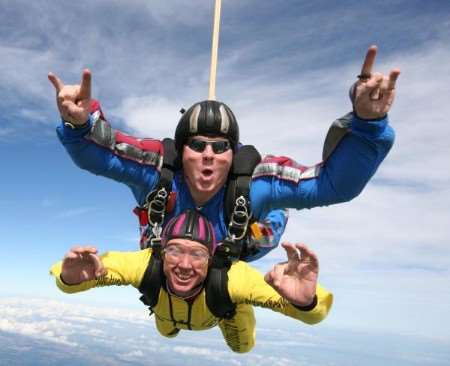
{"x": 190, "y": 225}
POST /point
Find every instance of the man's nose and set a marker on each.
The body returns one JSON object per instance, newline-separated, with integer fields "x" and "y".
{"x": 185, "y": 261}
{"x": 208, "y": 153}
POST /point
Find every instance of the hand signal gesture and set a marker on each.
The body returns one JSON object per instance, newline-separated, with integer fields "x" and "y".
{"x": 81, "y": 264}
{"x": 73, "y": 100}
{"x": 373, "y": 94}
{"x": 296, "y": 279}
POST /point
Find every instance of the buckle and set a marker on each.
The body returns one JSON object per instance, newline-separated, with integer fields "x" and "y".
{"x": 240, "y": 217}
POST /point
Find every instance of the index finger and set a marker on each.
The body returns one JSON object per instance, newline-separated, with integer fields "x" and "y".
{"x": 85, "y": 88}
{"x": 307, "y": 254}
{"x": 291, "y": 251}
{"x": 57, "y": 83}
{"x": 367, "y": 66}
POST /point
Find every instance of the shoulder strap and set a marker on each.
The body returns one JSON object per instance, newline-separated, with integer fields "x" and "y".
{"x": 237, "y": 214}
{"x": 170, "y": 163}
{"x": 157, "y": 200}
{"x": 216, "y": 287}
{"x": 237, "y": 199}
{"x": 153, "y": 279}
{"x": 244, "y": 163}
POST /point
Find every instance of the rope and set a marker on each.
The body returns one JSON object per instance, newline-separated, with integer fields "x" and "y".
{"x": 214, "y": 51}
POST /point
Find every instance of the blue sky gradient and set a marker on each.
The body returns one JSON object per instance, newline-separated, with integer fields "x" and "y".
{"x": 284, "y": 68}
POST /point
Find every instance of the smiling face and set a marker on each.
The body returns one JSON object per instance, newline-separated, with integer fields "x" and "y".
{"x": 185, "y": 266}
{"x": 205, "y": 172}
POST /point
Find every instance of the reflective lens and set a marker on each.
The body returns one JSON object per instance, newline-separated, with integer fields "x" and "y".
{"x": 218, "y": 147}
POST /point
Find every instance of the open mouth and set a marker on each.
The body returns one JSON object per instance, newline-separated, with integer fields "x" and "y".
{"x": 183, "y": 276}
{"x": 207, "y": 172}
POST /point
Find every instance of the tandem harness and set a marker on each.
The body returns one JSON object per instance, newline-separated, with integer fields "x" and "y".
{"x": 234, "y": 246}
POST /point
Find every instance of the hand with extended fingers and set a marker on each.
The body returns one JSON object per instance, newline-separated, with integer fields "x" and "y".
{"x": 373, "y": 94}
{"x": 73, "y": 100}
{"x": 81, "y": 264}
{"x": 296, "y": 279}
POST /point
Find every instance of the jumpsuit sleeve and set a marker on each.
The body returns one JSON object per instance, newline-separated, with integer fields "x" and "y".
{"x": 104, "y": 151}
{"x": 247, "y": 286}
{"x": 123, "y": 268}
{"x": 350, "y": 160}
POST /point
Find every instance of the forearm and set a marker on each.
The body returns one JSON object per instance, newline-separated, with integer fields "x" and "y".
{"x": 247, "y": 286}
{"x": 123, "y": 268}
{"x": 103, "y": 151}
{"x": 351, "y": 160}
{"x": 354, "y": 160}
{"x": 314, "y": 313}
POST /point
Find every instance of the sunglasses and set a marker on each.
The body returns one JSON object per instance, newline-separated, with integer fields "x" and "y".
{"x": 218, "y": 147}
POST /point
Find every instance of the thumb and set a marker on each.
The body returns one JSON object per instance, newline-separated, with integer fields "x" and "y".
{"x": 99, "y": 268}
{"x": 269, "y": 278}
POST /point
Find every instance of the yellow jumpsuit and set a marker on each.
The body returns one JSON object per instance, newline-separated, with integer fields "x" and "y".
{"x": 246, "y": 287}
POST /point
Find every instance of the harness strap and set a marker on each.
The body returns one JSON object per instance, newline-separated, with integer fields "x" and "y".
{"x": 237, "y": 201}
{"x": 157, "y": 200}
{"x": 152, "y": 280}
{"x": 216, "y": 286}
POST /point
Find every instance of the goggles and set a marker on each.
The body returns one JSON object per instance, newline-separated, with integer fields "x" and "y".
{"x": 174, "y": 253}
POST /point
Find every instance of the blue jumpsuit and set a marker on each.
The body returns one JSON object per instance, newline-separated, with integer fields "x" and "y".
{"x": 278, "y": 183}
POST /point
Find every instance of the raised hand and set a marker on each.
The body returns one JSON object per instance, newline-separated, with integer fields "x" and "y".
{"x": 374, "y": 93}
{"x": 296, "y": 279}
{"x": 73, "y": 100}
{"x": 81, "y": 264}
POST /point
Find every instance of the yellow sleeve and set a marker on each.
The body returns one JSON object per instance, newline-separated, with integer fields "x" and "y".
{"x": 247, "y": 286}
{"x": 124, "y": 268}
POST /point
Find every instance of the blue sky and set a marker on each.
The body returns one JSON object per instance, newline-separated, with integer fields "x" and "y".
{"x": 285, "y": 68}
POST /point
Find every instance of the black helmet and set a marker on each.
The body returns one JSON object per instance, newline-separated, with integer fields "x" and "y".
{"x": 208, "y": 118}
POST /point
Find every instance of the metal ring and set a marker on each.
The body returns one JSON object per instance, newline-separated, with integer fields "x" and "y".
{"x": 364, "y": 76}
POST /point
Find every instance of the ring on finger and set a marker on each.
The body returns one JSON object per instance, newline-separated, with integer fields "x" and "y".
{"x": 364, "y": 77}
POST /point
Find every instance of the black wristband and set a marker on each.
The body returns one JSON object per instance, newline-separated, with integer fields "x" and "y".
{"x": 307, "y": 307}
{"x": 60, "y": 277}
{"x": 73, "y": 126}
{"x": 369, "y": 119}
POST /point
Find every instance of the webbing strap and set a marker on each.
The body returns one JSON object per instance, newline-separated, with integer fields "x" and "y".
{"x": 237, "y": 200}
{"x": 216, "y": 286}
{"x": 152, "y": 280}
{"x": 156, "y": 201}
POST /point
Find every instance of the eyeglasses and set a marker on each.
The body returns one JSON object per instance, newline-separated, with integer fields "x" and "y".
{"x": 219, "y": 147}
{"x": 174, "y": 253}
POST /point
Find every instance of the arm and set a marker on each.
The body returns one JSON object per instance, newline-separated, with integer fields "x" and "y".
{"x": 82, "y": 269}
{"x": 291, "y": 287}
{"x": 94, "y": 146}
{"x": 355, "y": 147}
